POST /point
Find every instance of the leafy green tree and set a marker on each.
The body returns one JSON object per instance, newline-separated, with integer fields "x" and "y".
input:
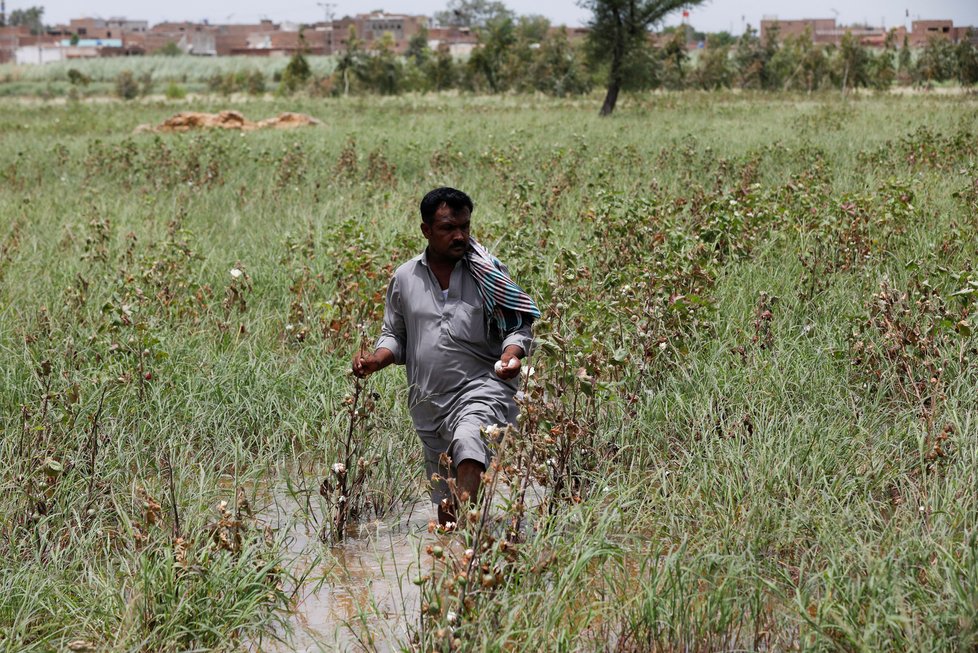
{"x": 488, "y": 62}
{"x": 473, "y": 13}
{"x": 32, "y": 17}
{"x": 351, "y": 64}
{"x": 750, "y": 60}
{"x": 558, "y": 69}
{"x": 673, "y": 57}
{"x": 852, "y": 64}
{"x": 714, "y": 70}
{"x": 418, "y": 51}
{"x": 883, "y": 65}
{"x": 721, "y": 39}
{"x": 811, "y": 66}
{"x": 532, "y": 28}
{"x": 384, "y": 71}
{"x": 967, "y": 61}
{"x": 441, "y": 71}
{"x": 297, "y": 72}
{"x": 938, "y": 61}
{"x": 619, "y": 29}
{"x": 905, "y": 61}
{"x": 815, "y": 67}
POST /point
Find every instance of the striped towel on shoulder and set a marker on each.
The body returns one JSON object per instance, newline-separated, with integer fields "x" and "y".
{"x": 504, "y": 302}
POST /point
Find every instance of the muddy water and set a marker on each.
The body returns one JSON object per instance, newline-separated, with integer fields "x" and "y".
{"x": 357, "y": 595}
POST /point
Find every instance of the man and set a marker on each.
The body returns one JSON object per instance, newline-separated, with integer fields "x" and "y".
{"x": 461, "y": 326}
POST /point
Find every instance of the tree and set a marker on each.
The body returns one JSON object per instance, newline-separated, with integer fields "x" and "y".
{"x": 297, "y": 72}
{"x": 618, "y": 29}
{"x": 440, "y": 71}
{"x": 351, "y": 62}
{"x": 800, "y": 64}
{"x": 473, "y": 13}
{"x": 30, "y": 17}
{"x": 714, "y": 71}
{"x": 557, "y": 68}
{"x": 673, "y": 56}
{"x": 749, "y": 60}
{"x": 489, "y": 60}
{"x": 852, "y": 63}
{"x": 883, "y": 64}
{"x": 418, "y": 50}
{"x": 532, "y": 28}
{"x": 938, "y": 61}
{"x": 905, "y": 61}
{"x": 967, "y": 56}
{"x": 722, "y": 39}
{"x": 384, "y": 71}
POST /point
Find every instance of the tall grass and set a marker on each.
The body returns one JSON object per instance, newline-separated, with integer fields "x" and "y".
{"x": 752, "y": 413}
{"x": 181, "y": 69}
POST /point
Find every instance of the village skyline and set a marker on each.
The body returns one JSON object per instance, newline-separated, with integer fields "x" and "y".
{"x": 709, "y": 17}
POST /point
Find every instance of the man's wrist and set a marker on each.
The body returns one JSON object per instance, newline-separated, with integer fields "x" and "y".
{"x": 514, "y": 350}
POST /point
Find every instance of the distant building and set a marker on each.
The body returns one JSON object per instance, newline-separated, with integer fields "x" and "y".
{"x": 922, "y": 31}
{"x": 10, "y": 40}
{"x": 457, "y": 41}
{"x": 825, "y": 31}
{"x": 51, "y": 52}
{"x": 371, "y": 28}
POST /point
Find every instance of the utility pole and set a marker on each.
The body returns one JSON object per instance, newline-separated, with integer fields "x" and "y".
{"x": 328, "y": 7}
{"x": 3, "y": 13}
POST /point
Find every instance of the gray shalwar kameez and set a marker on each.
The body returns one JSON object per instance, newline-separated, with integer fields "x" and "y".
{"x": 449, "y": 354}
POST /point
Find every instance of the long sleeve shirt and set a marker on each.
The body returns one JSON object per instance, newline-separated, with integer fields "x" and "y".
{"x": 444, "y": 343}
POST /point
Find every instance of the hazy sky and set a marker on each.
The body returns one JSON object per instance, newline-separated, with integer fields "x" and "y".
{"x": 710, "y": 16}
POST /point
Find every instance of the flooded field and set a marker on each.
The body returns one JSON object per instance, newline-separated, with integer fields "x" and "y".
{"x": 359, "y": 594}
{"x": 750, "y": 424}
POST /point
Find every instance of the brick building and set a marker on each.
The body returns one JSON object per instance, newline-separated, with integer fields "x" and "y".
{"x": 370, "y": 29}
{"x": 826, "y": 31}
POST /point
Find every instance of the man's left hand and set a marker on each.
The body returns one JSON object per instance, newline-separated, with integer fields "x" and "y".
{"x": 509, "y": 364}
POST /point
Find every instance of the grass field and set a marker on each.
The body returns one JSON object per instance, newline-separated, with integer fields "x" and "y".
{"x": 752, "y": 411}
{"x": 190, "y": 73}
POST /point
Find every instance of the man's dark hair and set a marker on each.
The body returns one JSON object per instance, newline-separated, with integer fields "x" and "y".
{"x": 455, "y": 199}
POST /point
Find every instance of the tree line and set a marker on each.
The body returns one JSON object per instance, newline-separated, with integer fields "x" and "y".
{"x": 524, "y": 55}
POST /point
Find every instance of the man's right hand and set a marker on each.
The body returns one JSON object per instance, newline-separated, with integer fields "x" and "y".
{"x": 365, "y": 365}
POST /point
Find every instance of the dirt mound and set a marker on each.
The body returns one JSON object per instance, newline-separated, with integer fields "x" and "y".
{"x": 288, "y": 120}
{"x": 190, "y": 120}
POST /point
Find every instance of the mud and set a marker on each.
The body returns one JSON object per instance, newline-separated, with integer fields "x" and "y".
{"x": 192, "y": 120}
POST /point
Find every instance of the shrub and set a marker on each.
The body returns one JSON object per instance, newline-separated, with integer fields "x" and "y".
{"x": 296, "y": 74}
{"x": 175, "y": 92}
{"x": 126, "y": 86}
{"x": 77, "y": 78}
{"x": 255, "y": 82}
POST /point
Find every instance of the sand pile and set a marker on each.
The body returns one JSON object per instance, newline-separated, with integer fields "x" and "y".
{"x": 189, "y": 120}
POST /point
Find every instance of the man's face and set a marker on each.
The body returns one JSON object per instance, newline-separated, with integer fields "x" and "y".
{"x": 448, "y": 234}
